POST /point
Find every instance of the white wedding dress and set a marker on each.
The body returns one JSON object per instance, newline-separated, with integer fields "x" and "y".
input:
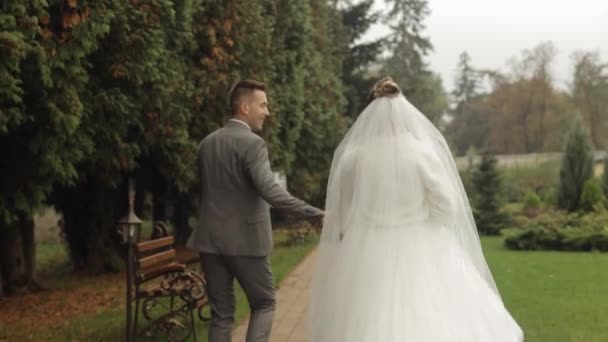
{"x": 399, "y": 258}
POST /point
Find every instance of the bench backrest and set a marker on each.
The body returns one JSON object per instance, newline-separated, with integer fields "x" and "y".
{"x": 153, "y": 254}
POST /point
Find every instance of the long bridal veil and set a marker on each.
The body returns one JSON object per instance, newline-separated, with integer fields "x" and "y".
{"x": 399, "y": 257}
{"x": 363, "y": 190}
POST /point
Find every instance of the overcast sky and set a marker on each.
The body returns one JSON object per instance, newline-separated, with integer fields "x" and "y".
{"x": 492, "y": 31}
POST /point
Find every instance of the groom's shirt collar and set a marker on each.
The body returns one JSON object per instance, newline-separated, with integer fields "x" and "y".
{"x": 241, "y": 122}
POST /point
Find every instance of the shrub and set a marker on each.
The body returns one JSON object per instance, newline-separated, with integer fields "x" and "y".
{"x": 592, "y": 195}
{"x": 561, "y": 231}
{"x": 559, "y": 240}
{"x": 557, "y": 219}
{"x": 532, "y": 204}
{"x": 541, "y": 178}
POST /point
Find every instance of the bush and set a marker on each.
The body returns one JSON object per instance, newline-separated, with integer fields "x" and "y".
{"x": 532, "y": 204}
{"x": 561, "y": 231}
{"x": 541, "y": 178}
{"x": 592, "y": 195}
{"x": 557, "y": 219}
{"x": 547, "y": 220}
{"x": 593, "y": 221}
{"x": 559, "y": 239}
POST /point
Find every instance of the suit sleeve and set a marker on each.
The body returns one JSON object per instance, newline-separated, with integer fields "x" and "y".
{"x": 257, "y": 166}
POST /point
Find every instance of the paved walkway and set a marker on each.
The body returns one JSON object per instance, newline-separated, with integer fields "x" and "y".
{"x": 292, "y": 301}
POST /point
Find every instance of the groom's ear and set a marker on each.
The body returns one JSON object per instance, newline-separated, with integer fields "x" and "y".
{"x": 244, "y": 106}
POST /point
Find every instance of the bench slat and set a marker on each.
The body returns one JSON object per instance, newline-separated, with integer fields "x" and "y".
{"x": 156, "y": 259}
{"x": 151, "y": 245}
{"x": 152, "y": 272}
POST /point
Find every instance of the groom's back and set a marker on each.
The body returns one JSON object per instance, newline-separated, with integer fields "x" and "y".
{"x": 227, "y": 189}
{"x": 233, "y": 216}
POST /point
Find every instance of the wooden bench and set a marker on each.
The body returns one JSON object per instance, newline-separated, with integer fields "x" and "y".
{"x": 165, "y": 291}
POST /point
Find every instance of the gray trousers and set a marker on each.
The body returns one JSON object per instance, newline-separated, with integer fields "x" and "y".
{"x": 255, "y": 277}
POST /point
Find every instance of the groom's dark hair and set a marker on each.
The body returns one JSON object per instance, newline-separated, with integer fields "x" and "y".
{"x": 241, "y": 89}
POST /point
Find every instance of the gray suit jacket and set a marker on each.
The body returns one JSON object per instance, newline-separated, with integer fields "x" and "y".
{"x": 237, "y": 187}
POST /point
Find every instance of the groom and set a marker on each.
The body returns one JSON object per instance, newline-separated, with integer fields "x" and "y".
{"x": 234, "y": 236}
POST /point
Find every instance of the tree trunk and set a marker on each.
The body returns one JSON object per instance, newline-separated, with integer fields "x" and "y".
{"x": 28, "y": 247}
{"x": 159, "y": 206}
{"x": 75, "y": 235}
{"x": 91, "y": 214}
{"x": 181, "y": 216}
{"x": 10, "y": 258}
{"x": 159, "y": 198}
{"x": 140, "y": 196}
{"x": 17, "y": 255}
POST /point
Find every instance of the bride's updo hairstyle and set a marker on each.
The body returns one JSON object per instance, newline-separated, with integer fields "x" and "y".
{"x": 386, "y": 87}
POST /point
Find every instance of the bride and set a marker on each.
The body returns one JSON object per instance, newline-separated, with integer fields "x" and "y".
{"x": 399, "y": 258}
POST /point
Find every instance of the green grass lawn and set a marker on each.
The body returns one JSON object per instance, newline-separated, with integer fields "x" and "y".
{"x": 554, "y": 296}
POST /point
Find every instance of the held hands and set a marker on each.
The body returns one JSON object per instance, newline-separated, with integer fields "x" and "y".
{"x": 317, "y": 221}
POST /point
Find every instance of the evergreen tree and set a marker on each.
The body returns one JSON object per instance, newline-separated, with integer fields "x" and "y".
{"x": 324, "y": 125}
{"x": 408, "y": 48}
{"x": 93, "y": 93}
{"x": 137, "y": 115}
{"x": 467, "y": 81}
{"x": 468, "y": 127}
{"x": 576, "y": 167}
{"x": 293, "y": 43}
{"x": 487, "y": 200}
{"x": 233, "y": 41}
{"x": 358, "y": 79}
{"x": 43, "y": 69}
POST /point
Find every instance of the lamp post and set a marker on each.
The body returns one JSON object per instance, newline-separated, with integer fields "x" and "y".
{"x": 130, "y": 227}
